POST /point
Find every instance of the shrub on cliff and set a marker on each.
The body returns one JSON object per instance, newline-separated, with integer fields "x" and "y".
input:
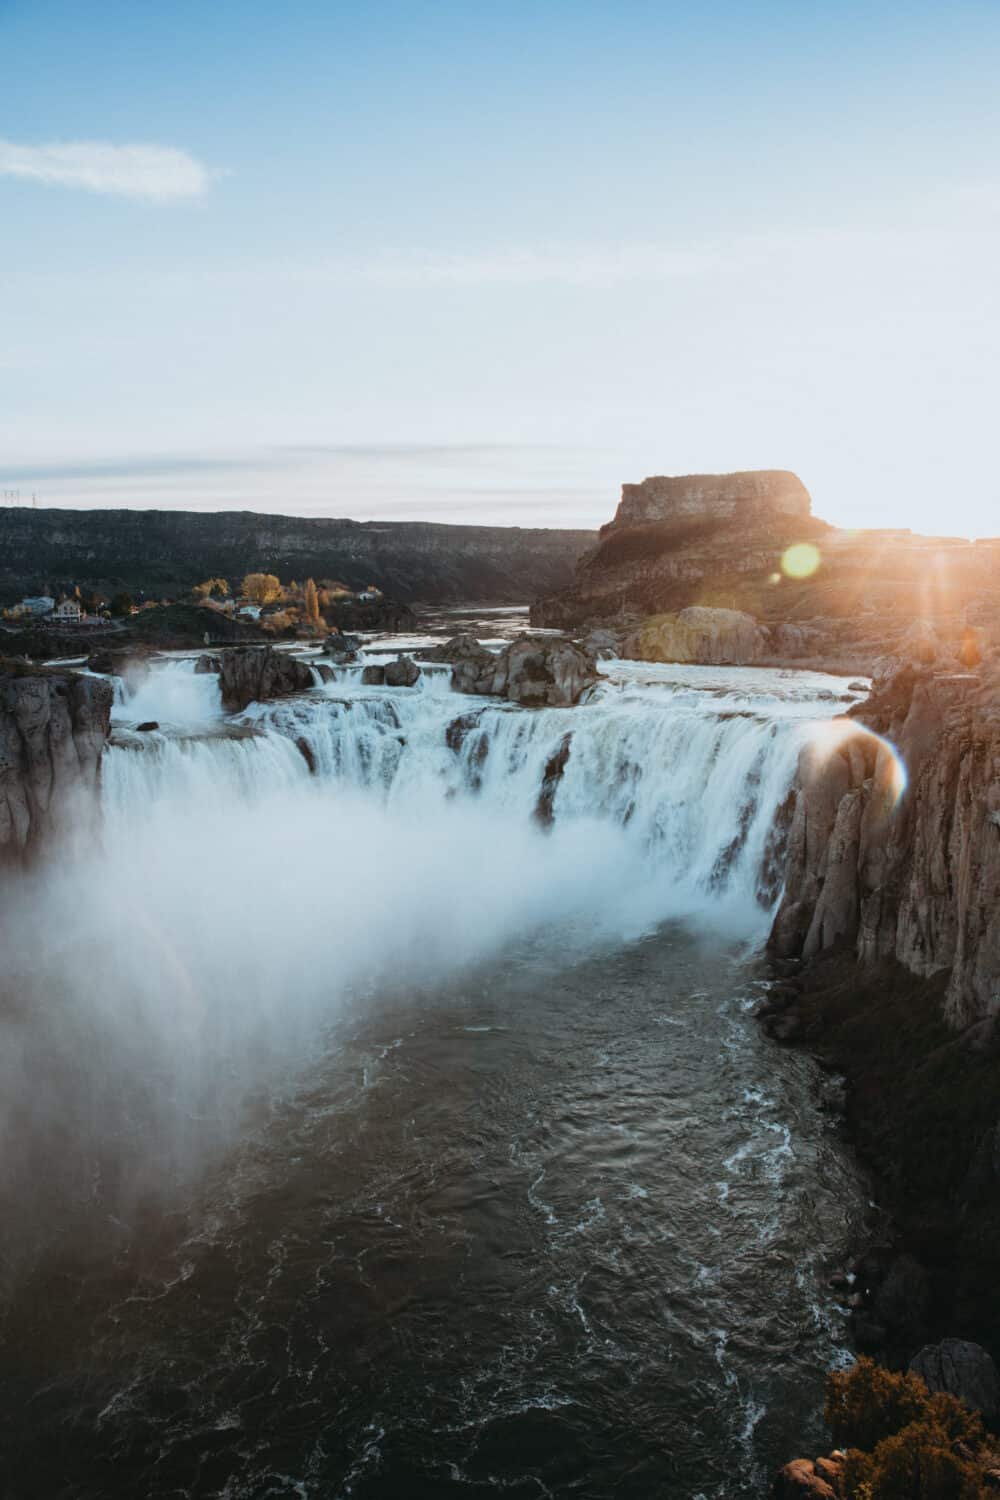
{"x": 918, "y": 1463}
{"x": 904, "y": 1443}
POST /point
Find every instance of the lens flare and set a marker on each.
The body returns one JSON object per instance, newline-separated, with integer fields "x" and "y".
{"x": 880, "y": 759}
{"x": 800, "y": 560}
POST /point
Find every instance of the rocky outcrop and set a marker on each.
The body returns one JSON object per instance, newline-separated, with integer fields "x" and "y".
{"x": 460, "y": 648}
{"x": 806, "y": 1479}
{"x": 894, "y": 847}
{"x": 53, "y": 726}
{"x": 403, "y": 672}
{"x": 964, "y": 1370}
{"x": 722, "y": 541}
{"x": 535, "y": 673}
{"x": 252, "y": 674}
{"x": 697, "y": 634}
{"x": 686, "y": 498}
{"x": 165, "y": 552}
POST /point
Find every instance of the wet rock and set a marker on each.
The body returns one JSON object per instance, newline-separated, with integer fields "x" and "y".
{"x": 253, "y": 674}
{"x": 326, "y": 674}
{"x": 535, "y": 673}
{"x": 603, "y": 644}
{"x": 457, "y": 731}
{"x": 962, "y": 1369}
{"x": 800, "y": 1479}
{"x": 553, "y": 774}
{"x": 403, "y": 672}
{"x": 373, "y": 676}
{"x": 461, "y": 648}
{"x": 207, "y": 663}
{"x": 147, "y": 727}
{"x": 307, "y": 752}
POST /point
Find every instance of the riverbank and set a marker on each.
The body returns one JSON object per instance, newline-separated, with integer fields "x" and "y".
{"x": 921, "y": 1107}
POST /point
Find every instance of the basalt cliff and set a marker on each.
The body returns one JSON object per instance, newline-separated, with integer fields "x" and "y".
{"x": 165, "y": 552}
{"x": 894, "y": 846}
{"x": 53, "y": 726}
{"x": 720, "y": 542}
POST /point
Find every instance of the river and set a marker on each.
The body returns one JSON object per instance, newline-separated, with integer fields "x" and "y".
{"x": 383, "y": 1138}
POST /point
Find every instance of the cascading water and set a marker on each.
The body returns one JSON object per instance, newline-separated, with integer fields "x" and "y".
{"x": 421, "y": 1021}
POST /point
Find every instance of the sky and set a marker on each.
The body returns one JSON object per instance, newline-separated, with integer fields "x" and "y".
{"x": 485, "y": 261}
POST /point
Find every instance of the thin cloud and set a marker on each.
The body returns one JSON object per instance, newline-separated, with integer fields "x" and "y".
{"x": 157, "y": 173}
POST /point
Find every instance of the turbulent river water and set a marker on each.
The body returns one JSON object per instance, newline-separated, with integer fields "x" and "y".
{"x": 383, "y": 1111}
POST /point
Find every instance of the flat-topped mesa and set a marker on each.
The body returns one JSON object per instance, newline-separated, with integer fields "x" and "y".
{"x": 687, "y": 498}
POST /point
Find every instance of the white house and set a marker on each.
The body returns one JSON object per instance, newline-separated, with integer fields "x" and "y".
{"x": 367, "y": 595}
{"x": 249, "y": 612}
{"x": 68, "y": 611}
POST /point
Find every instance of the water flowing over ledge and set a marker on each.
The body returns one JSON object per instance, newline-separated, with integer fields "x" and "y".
{"x": 365, "y": 990}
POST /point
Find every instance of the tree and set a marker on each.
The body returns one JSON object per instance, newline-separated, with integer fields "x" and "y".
{"x": 122, "y": 604}
{"x": 261, "y": 588}
{"x": 212, "y": 588}
{"x": 311, "y": 603}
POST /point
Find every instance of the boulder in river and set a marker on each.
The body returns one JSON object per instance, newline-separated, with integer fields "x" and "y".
{"x": 252, "y": 674}
{"x": 531, "y": 671}
{"x": 373, "y": 676}
{"x": 403, "y": 672}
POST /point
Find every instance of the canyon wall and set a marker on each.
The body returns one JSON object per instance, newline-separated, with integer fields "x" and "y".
{"x": 53, "y": 725}
{"x": 166, "y": 552}
{"x": 906, "y": 872}
{"x": 717, "y": 541}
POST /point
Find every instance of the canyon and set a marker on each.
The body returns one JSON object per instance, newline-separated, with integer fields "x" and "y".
{"x": 760, "y": 862}
{"x": 166, "y": 552}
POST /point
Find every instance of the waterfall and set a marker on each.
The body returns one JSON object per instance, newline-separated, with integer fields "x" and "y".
{"x": 687, "y": 769}
{"x": 259, "y": 874}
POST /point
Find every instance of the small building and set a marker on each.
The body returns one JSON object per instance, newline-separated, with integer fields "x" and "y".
{"x": 68, "y": 612}
{"x": 368, "y": 595}
{"x": 249, "y": 612}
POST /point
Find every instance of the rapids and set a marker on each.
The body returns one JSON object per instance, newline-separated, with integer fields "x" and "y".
{"x": 385, "y": 1082}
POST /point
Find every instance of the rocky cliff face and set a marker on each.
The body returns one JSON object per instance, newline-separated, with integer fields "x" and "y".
{"x": 691, "y": 498}
{"x": 53, "y": 726}
{"x": 718, "y": 541}
{"x": 906, "y": 872}
{"x": 165, "y": 552}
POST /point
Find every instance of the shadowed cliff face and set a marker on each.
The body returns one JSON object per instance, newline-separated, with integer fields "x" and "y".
{"x": 166, "y": 552}
{"x": 911, "y": 874}
{"x": 718, "y": 541}
{"x": 53, "y": 726}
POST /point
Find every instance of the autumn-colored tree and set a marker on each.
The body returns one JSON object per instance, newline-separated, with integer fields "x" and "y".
{"x": 212, "y": 588}
{"x": 261, "y": 588}
{"x": 311, "y": 603}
